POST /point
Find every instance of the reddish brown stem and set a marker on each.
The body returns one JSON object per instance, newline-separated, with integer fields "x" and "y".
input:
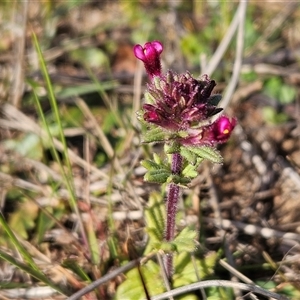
{"x": 171, "y": 207}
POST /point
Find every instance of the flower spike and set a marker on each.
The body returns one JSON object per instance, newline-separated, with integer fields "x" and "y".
{"x": 178, "y": 111}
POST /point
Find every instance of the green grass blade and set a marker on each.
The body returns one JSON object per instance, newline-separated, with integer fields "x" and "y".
{"x": 68, "y": 180}
{"x": 54, "y": 106}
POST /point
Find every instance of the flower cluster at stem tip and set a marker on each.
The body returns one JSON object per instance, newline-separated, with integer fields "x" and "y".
{"x": 180, "y": 104}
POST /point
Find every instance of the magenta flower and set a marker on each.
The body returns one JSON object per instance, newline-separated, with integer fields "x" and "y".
{"x": 222, "y": 128}
{"x": 150, "y": 56}
{"x": 216, "y": 133}
{"x": 181, "y": 104}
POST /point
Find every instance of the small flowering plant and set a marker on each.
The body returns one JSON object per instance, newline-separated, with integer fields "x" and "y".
{"x": 178, "y": 112}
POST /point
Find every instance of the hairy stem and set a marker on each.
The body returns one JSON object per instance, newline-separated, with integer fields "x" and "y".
{"x": 171, "y": 206}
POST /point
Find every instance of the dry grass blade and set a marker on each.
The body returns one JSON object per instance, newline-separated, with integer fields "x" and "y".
{"x": 238, "y": 56}
{"x": 20, "y": 19}
{"x": 30, "y": 293}
{"x": 238, "y": 275}
{"x": 219, "y": 283}
{"x": 218, "y": 54}
{"x": 256, "y": 230}
{"x": 21, "y": 183}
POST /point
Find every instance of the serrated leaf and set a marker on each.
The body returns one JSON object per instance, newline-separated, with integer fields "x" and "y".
{"x": 185, "y": 240}
{"x": 188, "y": 155}
{"x": 189, "y": 171}
{"x": 154, "y": 235}
{"x": 157, "y": 176}
{"x": 155, "y": 134}
{"x": 208, "y": 153}
{"x": 166, "y": 247}
{"x": 150, "y": 165}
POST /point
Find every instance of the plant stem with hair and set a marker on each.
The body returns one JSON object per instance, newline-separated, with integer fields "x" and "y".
{"x": 171, "y": 209}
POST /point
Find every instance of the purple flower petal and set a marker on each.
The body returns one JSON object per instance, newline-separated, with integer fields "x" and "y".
{"x": 150, "y": 56}
{"x": 139, "y": 52}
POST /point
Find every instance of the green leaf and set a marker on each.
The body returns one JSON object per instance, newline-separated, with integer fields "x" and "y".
{"x": 208, "y": 153}
{"x": 178, "y": 179}
{"x": 155, "y": 219}
{"x": 188, "y": 155}
{"x": 155, "y": 134}
{"x": 185, "y": 240}
{"x": 189, "y": 171}
{"x": 150, "y": 165}
{"x": 165, "y": 246}
{"x": 157, "y": 82}
{"x": 185, "y": 272}
{"x": 132, "y": 287}
{"x": 157, "y": 176}
{"x": 157, "y": 159}
{"x": 172, "y": 148}
{"x": 155, "y": 237}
